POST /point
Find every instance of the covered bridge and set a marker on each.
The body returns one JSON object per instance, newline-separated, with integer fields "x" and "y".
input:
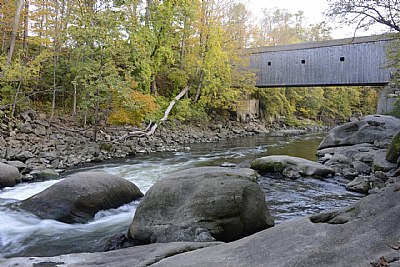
{"x": 342, "y": 62}
{"x": 350, "y": 61}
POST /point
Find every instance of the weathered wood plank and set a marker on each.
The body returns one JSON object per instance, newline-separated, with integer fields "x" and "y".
{"x": 358, "y": 61}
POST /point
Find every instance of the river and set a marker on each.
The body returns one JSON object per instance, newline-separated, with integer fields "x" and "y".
{"x": 22, "y": 234}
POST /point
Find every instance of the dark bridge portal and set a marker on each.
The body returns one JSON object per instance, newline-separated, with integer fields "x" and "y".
{"x": 351, "y": 61}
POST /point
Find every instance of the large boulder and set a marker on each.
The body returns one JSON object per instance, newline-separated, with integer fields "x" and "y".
{"x": 9, "y": 175}
{"x": 201, "y": 204}
{"x": 77, "y": 198}
{"x": 291, "y": 166}
{"x": 370, "y": 129}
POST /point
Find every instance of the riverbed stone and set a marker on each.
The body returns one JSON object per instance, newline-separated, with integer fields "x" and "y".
{"x": 9, "y": 175}
{"x": 381, "y": 164}
{"x": 24, "y": 155}
{"x": 291, "y": 166}
{"x": 44, "y": 175}
{"x": 201, "y": 204}
{"x": 370, "y": 129}
{"x": 17, "y": 164}
{"x": 77, "y": 198}
{"x": 361, "y": 167}
{"x": 361, "y": 184}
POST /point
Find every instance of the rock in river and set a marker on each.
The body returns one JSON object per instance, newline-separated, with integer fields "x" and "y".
{"x": 368, "y": 130}
{"x": 201, "y": 204}
{"x": 9, "y": 175}
{"x": 77, "y": 198}
{"x": 291, "y": 166}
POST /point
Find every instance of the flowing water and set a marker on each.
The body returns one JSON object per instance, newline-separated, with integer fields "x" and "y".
{"x": 22, "y": 234}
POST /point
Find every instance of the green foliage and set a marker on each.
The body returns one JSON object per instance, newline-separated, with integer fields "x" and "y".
{"x": 128, "y": 60}
{"x": 186, "y": 111}
{"x": 331, "y": 103}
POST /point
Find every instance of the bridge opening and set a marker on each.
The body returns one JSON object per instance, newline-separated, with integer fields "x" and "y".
{"x": 296, "y": 106}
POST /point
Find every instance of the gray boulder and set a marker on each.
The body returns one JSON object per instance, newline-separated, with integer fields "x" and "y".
{"x": 381, "y": 164}
{"x": 356, "y": 236}
{"x": 361, "y": 167}
{"x": 201, "y": 204}
{"x": 9, "y": 175}
{"x": 77, "y": 198}
{"x": 291, "y": 166}
{"x": 361, "y": 184}
{"x": 368, "y": 130}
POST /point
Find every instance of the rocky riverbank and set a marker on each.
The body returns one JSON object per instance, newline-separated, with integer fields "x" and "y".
{"x": 213, "y": 204}
{"x": 40, "y": 149}
{"x": 365, "y": 152}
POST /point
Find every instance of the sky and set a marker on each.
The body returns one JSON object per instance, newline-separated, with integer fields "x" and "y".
{"x": 314, "y": 13}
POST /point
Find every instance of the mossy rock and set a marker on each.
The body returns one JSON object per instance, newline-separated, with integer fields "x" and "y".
{"x": 269, "y": 166}
{"x": 108, "y": 147}
{"x": 393, "y": 152}
{"x": 292, "y": 167}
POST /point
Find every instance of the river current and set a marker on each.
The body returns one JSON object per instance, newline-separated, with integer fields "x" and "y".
{"x": 23, "y": 234}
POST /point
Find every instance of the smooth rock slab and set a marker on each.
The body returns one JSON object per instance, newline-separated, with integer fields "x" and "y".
{"x": 77, "y": 198}
{"x": 291, "y": 166}
{"x": 139, "y": 256}
{"x": 201, "y": 204}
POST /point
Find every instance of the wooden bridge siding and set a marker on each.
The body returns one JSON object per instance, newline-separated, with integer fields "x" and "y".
{"x": 363, "y": 64}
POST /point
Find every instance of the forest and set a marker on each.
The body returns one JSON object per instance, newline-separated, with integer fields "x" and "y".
{"x": 123, "y": 61}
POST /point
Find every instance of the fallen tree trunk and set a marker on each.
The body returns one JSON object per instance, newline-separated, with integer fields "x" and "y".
{"x": 151, "y": 128}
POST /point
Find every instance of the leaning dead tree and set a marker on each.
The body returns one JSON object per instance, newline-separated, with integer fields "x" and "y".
{"x": 151, "y": 128}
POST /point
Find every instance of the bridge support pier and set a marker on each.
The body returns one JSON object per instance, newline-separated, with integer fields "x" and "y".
{"x": 387, "y": 96}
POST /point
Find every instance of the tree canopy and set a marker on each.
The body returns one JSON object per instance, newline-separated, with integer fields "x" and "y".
{"x": 123, "y": 61}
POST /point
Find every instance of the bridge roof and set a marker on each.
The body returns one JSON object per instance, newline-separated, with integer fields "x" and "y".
{"x": 326, "y": 43}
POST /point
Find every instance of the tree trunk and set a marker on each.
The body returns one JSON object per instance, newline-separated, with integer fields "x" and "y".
{"x": 149, "y": 4}
{"x": 13, "y": 35}
{"x": 96, "y": 112}
{"x": 198, "y": 93}
{"x": 154, "y": 87}
{"x": 17, "y": 93}
{"x": 74, "y": 105}
{"x": 53, "y": 103}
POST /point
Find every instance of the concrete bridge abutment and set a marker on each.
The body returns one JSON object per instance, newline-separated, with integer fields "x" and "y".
{"x": 387, "y": 98}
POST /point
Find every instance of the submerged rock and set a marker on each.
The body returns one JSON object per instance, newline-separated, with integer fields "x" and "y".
{"x": 291, "y": 166}
{"x": 201, "y": 204}
{"x": 77, "y": 198}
